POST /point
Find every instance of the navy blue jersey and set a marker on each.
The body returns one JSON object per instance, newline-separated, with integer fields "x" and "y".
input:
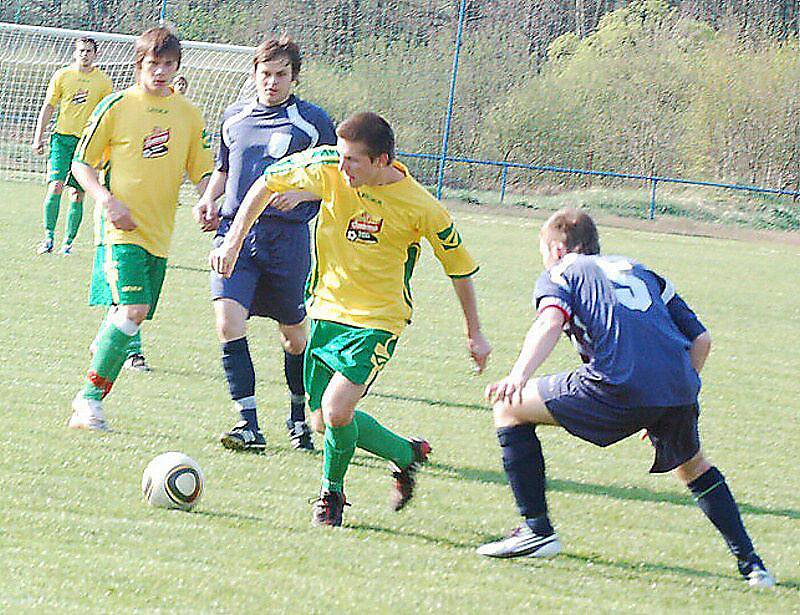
{"x": 631, "y": 329}
{"x": 255, "y": 135}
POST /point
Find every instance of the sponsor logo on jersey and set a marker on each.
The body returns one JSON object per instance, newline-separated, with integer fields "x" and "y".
{"x": 363, "y": 228}
{"x": 206, "y": 139}
{"x": 157, "y": 110}
{"x": 79, "y": 97}
{"x": 368, "y": 197}
{"x": 155, "y": 144}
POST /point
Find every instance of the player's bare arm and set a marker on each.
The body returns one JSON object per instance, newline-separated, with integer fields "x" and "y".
{"x": 539, "y": 342}
{"x": 285, "y": 201}
{"x": 477, "y": 344}
{"x": 699, "y": 350}
{"x": 45, "y": 114}
{"x": 205, "y": 213}
{"x": 223, "y": 258}
{"x": 117, "y": 213}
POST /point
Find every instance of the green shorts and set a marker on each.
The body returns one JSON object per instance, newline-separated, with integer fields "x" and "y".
{"x": 126, "y": 274}
{"x": 358, "y": 354}
{"x": 62, "y": 148}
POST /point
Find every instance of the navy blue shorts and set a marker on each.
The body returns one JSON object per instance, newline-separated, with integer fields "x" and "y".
{"x": 672, "y": 429}
{"x": 269, "y": 278}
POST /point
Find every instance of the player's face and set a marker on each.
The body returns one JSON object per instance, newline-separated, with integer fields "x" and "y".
{"x": 157, "y": 73}
{"x": 181, "y": 85}
{"x": 84, "y": 54}
{"x": 273, "y": 81}
{"x": 355, "y": 164}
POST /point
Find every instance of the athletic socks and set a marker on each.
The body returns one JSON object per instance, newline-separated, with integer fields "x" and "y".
{"x": 112, "y": 346}
{"x": 340, "y": 444}
{"x": 524, "y": 465}
{"x": 376, "y": 439}
{"x": 52, "y": 203}
{"x": 135, "y": 345}
{"x": 715, "y": 500}
{"x": 73, "y": 221}
{"x": 293, "y": 369}
{"x": 241, "y": 377}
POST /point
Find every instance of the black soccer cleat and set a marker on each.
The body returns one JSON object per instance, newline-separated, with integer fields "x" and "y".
{"x": 327, "y": 509}
{"x": 299, "y": 435}
{"x": 243, "y": 438}
{"x": 405, "y": 479}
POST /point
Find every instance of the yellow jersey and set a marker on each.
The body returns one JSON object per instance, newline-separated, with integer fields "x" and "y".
{"x": 367, "y": 241}
{"x": 144, "y": 145}
{"x": 75, "y": 95}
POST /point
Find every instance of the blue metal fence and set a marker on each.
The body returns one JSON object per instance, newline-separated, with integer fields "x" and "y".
{"x": 654, "y": 180}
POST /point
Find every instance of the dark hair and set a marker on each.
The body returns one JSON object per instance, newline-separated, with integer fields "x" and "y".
{"x": 575, "y": 229}
{"x": 158, "y": 42}
{"x": 273, "y": 48}
{"x": 87, "y": 40}
{"x": 371, "y": 130}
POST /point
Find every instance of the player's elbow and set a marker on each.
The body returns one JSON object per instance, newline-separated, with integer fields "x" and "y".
{"x": 703, "y": 341}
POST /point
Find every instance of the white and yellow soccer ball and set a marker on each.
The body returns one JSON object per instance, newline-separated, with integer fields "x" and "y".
{"x": 172, "y": 480}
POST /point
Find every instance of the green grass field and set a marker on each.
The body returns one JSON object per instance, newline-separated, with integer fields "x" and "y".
{"x": 75, "y": 535}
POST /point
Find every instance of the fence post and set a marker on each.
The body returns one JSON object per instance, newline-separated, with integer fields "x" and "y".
{"x": 653, "y": 198}
{"x": 503, "y": 183}
{"x": 446, "y": 138}
{"x": 162, "y": 18}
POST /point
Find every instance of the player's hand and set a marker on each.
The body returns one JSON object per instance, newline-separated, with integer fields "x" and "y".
{"x": 509, "y": 389}
{"x": 479, "y": 350}
{"x": 206, "y": 215}
{"x": 285, "y": 201}
{"x": 223, "y": 259}
{"x": 119, "y": 215}
{"x": 38, "y": 146}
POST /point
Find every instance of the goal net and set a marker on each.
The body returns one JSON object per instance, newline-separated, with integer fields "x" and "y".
{"x": 29, "y": 55}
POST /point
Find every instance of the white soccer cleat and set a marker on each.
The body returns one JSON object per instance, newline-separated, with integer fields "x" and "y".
{"x": 87, "y": 414}
{"x": 760, "y": 578}
{"x": 522, "y": 542}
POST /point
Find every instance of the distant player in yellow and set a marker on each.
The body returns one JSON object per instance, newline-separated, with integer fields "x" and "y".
{"x": 145, "y": 138}
{"x": 372, "y": 218}
{"x": 74, "y": 92}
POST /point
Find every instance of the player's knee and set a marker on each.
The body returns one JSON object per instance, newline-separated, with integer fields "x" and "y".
{"x": 335, "y": 412}
{"x": 693, "y": 468}
{"x": 136, "y": 313}
{"x": 294, "y": 345}
{"x": 505, "y": 415}
{"x": 56, "y": 187}
{"x": 317, "y": 422}
{"x": 75, "y": 196}
{"x": 229, "y": 329}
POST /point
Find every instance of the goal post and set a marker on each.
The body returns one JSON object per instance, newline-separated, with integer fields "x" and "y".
{"x": 29, "y": 55}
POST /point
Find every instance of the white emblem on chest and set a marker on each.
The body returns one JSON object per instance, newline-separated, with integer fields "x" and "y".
{"x": 279, "y": 144}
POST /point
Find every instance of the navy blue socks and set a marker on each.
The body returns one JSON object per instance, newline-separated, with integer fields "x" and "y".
{"x": 241, "y": 378}
{"x": 524, "y": 465}
{"x": 715, "y": 499}
{"x": 293, "y": 368}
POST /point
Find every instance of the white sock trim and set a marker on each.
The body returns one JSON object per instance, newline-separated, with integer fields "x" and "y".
{"x": 245, "y": 403}
{"x": 123, "y": 323}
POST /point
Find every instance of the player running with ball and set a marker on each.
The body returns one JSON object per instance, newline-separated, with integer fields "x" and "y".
{"x": 367, "y": 241}
{"x": 643, "y": 349}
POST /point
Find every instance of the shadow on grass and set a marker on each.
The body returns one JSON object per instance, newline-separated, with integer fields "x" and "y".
{"x": 435, "y": 540}
{"x": 229, "y": 515}
{"x": 433, "y": 402}
{"x": 638, "y": 494}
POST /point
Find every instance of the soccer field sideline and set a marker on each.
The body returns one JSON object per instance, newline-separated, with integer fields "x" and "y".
{"x": 91, "y": 544}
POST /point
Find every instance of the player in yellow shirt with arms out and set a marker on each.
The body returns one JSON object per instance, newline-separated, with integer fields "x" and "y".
{"x": 145, "y": 138}
{"x": 74, "y": 92}
{"x": 367, "y": 241}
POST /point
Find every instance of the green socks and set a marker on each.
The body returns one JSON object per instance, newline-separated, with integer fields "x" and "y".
{"x": 340, "y": 444}
{"x": 112, "y": 349}
{"x": 51, "y": 205}
{"x": 134, "y": 347}
{"x": 376, "y": 439}
{"x": 73, "y": 221}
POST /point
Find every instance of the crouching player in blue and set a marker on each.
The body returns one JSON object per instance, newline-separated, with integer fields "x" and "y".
{"x": 269, "y": 278}
{"x": 643, "y": 349}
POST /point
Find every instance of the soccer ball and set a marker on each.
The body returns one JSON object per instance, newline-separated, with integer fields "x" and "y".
{"x": 172, "y": 480}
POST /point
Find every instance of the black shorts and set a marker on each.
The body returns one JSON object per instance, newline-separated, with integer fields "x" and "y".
{"x": 672, "y": 429}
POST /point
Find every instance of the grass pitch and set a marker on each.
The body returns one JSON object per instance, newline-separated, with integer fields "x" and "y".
{"x": 76, "y": 536}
